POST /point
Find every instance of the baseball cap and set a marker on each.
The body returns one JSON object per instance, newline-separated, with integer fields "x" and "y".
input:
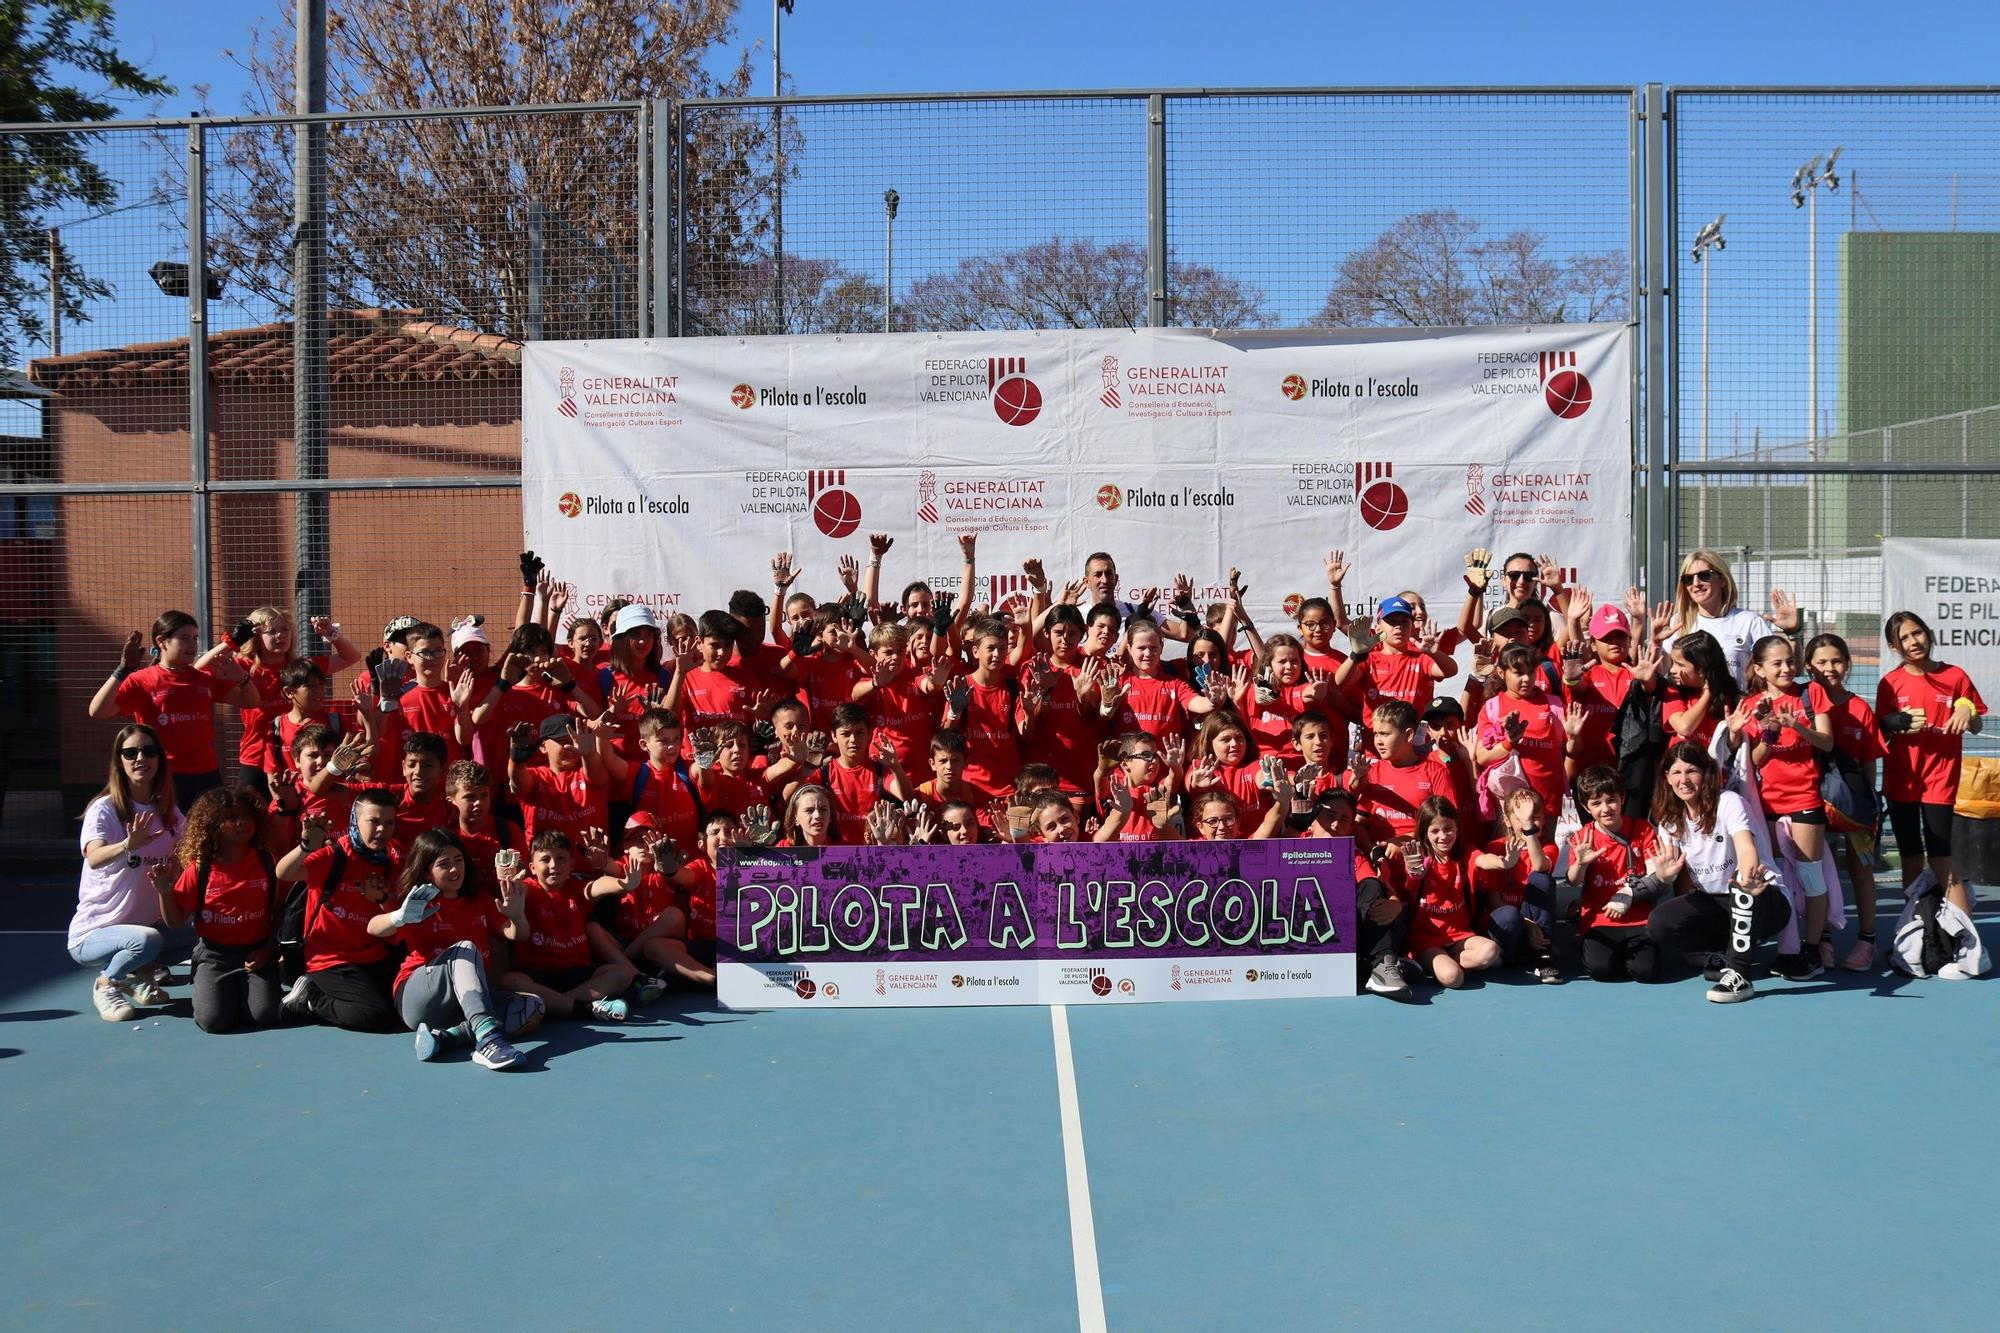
{"x": 556, "y": 725}
{"x": 1505, "y": 616}
{"x": 1443, "y": 710}
{"x": 633, "y": 617}
{"x": 641, "y": 819}
{"x": 469, "y": 630}
{"x": 1609, "y": 620}
{"x": 1394, "y": 606}
{"x": 394, "y": 631}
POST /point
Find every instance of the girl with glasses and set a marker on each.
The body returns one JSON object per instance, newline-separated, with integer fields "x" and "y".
{"x": 127, "y": 829}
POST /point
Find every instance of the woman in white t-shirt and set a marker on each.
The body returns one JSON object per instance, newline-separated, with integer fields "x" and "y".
{"x": 1706, "y": 600}
{"x": 127, "y": 829}
{"x": 1727, "y": 901}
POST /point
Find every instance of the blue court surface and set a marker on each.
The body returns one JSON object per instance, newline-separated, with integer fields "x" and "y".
{"x": 1513, "y": 1155}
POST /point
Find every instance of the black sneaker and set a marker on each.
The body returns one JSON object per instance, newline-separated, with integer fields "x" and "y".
{"x": 1547, "y": 972}
{"x": 1731, "y": 987}
{"x": 1797, "y": 966}
{"x": 1712, "y": 969}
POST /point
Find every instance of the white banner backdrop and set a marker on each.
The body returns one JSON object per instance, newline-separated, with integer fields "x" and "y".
{"x": 1954, "y": 584}
{"x": 670, "y": 470}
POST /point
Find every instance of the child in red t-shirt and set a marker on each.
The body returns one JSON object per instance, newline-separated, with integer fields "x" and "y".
{"x": 1786, "y": 739}
{"x": 903, "y": 702}
{"x": 176, "y": 696}
{"x": 561, "y": 955}
{"x": 1925, "y": 708}
{"x": 1226, "y": 760}
{"x": 1441, "y": 936}
{"x": 1402, "y": 663}
{"x": 567, "y": 791}
{"x": 468, "y": 789}
{"x": 1523, "y": 721}
{"x": 1597, "y": 686}
{"x": 1283, "y": 689}
{"x": 1145, "y": 698}
{"x": 447, "y": 926}
{"x": 421, "y": 804}
{"x": 1392, "y": 787}
{"x": 855, "y": 781}
{"x": 302, "y": 683}
{"x": 1702, "y": 690}
{"x": 1135, "y": 791}
{"x": 341, "y": 885}
{"x": 1857, "y": 748}
{"x": 1609, "y": 860}
{"x": 828, "y": 661}
{"x": 669, "y": 920}
{"x": 657, "y": 782}
{"x": 724, "y": 782}
{"x": 714, "y": 691}
{"x": 947, "y": 783}
{"x": 227, "y": 886}
{"x": 981, "y": 705}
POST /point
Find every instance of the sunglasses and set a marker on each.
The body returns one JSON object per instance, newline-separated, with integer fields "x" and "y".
{"x": 431, "y": 654}
{"x": 1694, "y": 576}
{"x": 139, "y": 751}
{"x": 960, "y": 827}
{"x": 1515, "y": 575}
{"x": 1146, "y": 755}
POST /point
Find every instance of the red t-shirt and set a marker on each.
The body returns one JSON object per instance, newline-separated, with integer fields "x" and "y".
{"x": 1788, "y": 782}
{"x": 1390, "y": 797}
{"x": 337, "y": 915}
{"x": 179, "y": 705}
{"x": 709, "y": 697}
{"x": 758, "y": 667}
{"x": 1443, "y": 913}
{"x": 235, "y": 911}
{"x": 1388, "y": 674}
{"x": 286, "y": 731}
{"x": 1252, "y": 801}
{"x": 1271, "y": 724}
{"x": 1923, "y": 765}
{"x": 528, "y": 702}
{"x": 1601, "y": 692}
{"x": 1138, "y": 826}
{"x": 412, "y": 817}
{"x": 483, "y": 847}
{"x": 556, "y": 919}
{"x": 1511, "y": 885}
{"x": 567, "y": 801}
{"x": 662, "y": 794}
{"x": 1675, "y": 701}
{"x": 827, "y": 680}
{"x": 428, "y": 708}
{"x": 910, "y": 717}
{"x": 471, "y": 918}
{"x": 608, "y": 683}
{"x": 1064, "y": 737}
{"x": 855, "y": 791}
{"x": 264, "y": 744}
{"x": 642, "y": 906}
{"x": 1156, "y": 705}
{"x": 698, "y": 900}
{"x": 1605, "y": 876}
{"x": 1541, "y": 744}
{"x": 1854, "y": 731}
{"x": 992, "y": 748}
{"x": 736, "y": 795}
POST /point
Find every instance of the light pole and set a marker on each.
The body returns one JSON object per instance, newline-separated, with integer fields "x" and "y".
{"x": 891, "y": 201}
{"x": 1707, "y": 239}
{"x": 779, "y": 8}
{"x": 1805, "y": 194}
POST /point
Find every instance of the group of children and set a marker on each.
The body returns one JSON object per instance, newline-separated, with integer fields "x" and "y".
{"x": 475, "y": 837}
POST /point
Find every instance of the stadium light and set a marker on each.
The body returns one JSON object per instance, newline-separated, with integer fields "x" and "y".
{"x": 1805, "y": 194}
{"x": 1707, "y": 239}
{"x": 891, "y": 201}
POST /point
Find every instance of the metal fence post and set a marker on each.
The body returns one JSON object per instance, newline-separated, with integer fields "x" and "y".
{"x": 1660, "y": 543}
{"x": 680, "y": 278}
{"x": 537, "y": 256}
{"x": 312, "y": 553}
{"x": 197, "y": 314}
{"x": 663, "y": 205}
{"x": 1634, "y": 304}
{"x": 643, "y": 203}
{"x": 1157, "y": 310}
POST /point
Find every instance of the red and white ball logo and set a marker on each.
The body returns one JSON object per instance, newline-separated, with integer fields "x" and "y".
{"x": 1017, "y": 400}
{"x": 1294, "y": 387}
{"x": 1109, "y": 497}
{"x": 743, "y": 396}
{"x": 1564, "y": 387}
{"x": 804, "y": 988}
{"x": 836, "y": 512}
{"x": 570, "y": 505}
{"x": 1382, "y": 502}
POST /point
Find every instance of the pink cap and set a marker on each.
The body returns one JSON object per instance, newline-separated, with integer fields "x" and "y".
{"x": 1609, "y": 620}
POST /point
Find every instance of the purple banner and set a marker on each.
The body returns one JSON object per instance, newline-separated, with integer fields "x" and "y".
{"x": 1036, "y": 902}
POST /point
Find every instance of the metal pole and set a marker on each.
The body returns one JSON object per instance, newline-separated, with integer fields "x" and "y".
{"x": 643, "y": 298}
{"x": 778, "y": 163}
{"x": 1157, "y": 308}
{"x": 1635, "y": 286}
{"x": 1701, "y": 513}
{"x": 889, "y": 271}
{"x": 1660, "y": 542}
{"x": 537, "y": 245}
{"x": 1812, "y": 361}
{"x": 1965, "y": 482}
{"x": 681, "y": 283}
{"x": 55, "y": 291}
{"x": 312, "y": 557}
{"x": 664, "y": 202}
{"x": 197, "y": 317}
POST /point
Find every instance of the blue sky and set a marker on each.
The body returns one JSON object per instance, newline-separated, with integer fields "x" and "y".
{"x": 1281, "y": 213}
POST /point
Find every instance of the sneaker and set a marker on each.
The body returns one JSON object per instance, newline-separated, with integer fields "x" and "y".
{"x": 609, "y": 1011}
{"x": 1711, "y": 970}
{"x": 1732, "y": 986}
{"x": 1861, "y": 958}
{"x": 1547, "y": 972}
{"x": 297, "y": 1003}
{"x": 1826, "y": 955}
{"x": 647, "y": 989}
{"x": 1801, "y": 966}
{"x": 495, "y": 1053}
{"x": 113, "y": 1004}
{"x": 159, "y": 974}
{"x": 1387, "y": 979}
{"x": 428, "y": 1044}
{"x": 144, "y": 992}
{"x": 524, "y": 1014}
{"x": 1953, "y": 972}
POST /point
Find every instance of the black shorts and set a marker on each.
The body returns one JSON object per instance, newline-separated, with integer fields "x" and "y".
{"x": 1922, "y": 828}
{"x": 561, "y": 978}
{"x": 1817, "y": 816}
{"x": 703, "y": 951}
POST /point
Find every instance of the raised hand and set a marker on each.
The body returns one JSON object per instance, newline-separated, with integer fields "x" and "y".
{"x": 705, "y": 747}
{"x": 1515, "y": 726}
{"x": 1579, "y": 605}
{"x": 350, "y": 756}
{"x": 461, "y": 690}
{"x": 1143, "y": 598}
{"x": 1204, "y": 774}
{"x": 1661, "y": 622}
{"x": 757, "y": 828}
{"x": 1032, "y": 567}
{"x": 532, "y": 566}
{"x": 1359, "y": 765}
{"x": 784, "y": 572}
{"x": 284, "y": 795}
{"x": 1666, "y": 863}
{"x": 1646, "y": 666}
{"x": 881, "y": 824}
{"x": 144, "y": 825}
{"x": 1361, "y": 636}
{"x": 849, "y": 570}
{"x": 1430, "y": 641}
{"x": 1572, "y": 659}
{"x": 513, "y": 892}
{"x": 968, "y": 544}
{"x": 1584, "y": 854}
{"x": 1784, "y": 611}
{"x": 1174, "y": 751}
{"x": 1121, "y": 796}
{"x": 323, "y": 626}
{"x": 879, "y": 544}
{"x": 315, "y": 832}
{"x": 957, "y": 698}
{"x": 1575, "y": 718}
{"x": 1269, "y": 769}
{"x": 1483, "y": 658}
{"x": 1548, "y": 571}
{"x": 923, "y": 828}
{"x": 514, "y": 667}
{"x": 1635, "y": 605}
{"x": 1319, "y": 686}
{"x": 559, "y": 594}
{"x": 417, "y": 905}
{"x": 1478, "y": 569}
{"x": 885, "y": 750}
{"x": 1183, "y": 591}
{"x": 1072, "y": 591}
{"x": 596, "y": 848}
{"x": 132, "y": 653}
{"x": 816, "y": 747}
{"x": 1337, "y": 568}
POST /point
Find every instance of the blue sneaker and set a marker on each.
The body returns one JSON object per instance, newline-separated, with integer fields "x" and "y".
{"x": 647, "y": 989}
{"x": 428, "y": 1044}
{"x": 496, "y": 1053}
{"x": 609, "y": 1011}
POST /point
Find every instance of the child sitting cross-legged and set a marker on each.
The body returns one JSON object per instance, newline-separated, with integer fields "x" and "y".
{"x": 560, "y": 955}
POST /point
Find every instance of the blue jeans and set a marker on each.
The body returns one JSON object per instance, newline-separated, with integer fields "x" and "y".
{"x": 118, "y": 949}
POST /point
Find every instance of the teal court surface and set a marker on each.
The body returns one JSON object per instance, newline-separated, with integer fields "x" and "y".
{"x": 1512, "y": 1155}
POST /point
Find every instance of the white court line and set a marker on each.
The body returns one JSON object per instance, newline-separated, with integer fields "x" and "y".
{"x": 33, "y": 932}
{"x": 1082, "y": 1229}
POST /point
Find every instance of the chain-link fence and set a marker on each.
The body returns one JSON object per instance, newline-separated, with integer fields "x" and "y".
{"x": 1832, "y": 362}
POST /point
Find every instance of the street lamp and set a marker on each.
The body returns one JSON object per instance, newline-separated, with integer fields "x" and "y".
{"x": 1805, "y": 194}
{"x": 891, "y": 201}
{"x": 779, "y": 8}
{"x": 1707, "y": 239}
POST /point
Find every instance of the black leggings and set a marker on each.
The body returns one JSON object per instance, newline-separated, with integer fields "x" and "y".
{"x": 1922, "y": 829}
{"x": 355, "y": 996}
{"x": 226, "y": 997}
{"x": 1621, "y": 953}
{"x": 1699, "y": 923}
{"x": 1374, "y": 942}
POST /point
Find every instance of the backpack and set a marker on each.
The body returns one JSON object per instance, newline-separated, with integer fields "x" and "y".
{"x": 1933, "y": 932}
{"x": 1638, "y": 738}
{"x": 644, "y": 778}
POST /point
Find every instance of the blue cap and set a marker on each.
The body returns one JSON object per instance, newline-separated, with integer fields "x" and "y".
{"x": 1394, "y": 606}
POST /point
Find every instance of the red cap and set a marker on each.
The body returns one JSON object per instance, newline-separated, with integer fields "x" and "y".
{"x": 1609, "y": 620}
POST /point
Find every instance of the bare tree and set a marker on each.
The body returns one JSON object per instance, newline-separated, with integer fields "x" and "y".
{"x": 459, "y": 216}
{"x": 820, "y": 297}
{"x": 1073, "y": 283}
{"x": 1432, "y": 269}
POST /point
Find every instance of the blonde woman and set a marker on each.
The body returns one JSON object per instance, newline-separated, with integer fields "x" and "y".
{"x": 1706, "y": 600}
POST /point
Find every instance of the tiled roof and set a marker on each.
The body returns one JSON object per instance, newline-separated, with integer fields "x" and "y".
{"x": 362, "y": 347}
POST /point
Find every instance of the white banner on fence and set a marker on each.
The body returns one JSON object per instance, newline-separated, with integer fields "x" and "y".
{"x": 670, "y": 470}
{"x": 1954, "y": 584}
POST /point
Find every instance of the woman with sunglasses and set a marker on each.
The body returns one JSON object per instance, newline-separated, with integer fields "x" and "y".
{"x": 1706, "y": 601}
{"x": 130, "y": 826}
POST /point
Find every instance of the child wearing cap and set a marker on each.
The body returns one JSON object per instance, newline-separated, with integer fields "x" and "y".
{"x": 1395, "y": 662}
{"x": 568, "y": 791}
{"x": 632, "y": 679}
{"x": 1598, "y": 687}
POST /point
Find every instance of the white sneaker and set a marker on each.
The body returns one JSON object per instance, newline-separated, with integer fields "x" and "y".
{"x": 113, "y": 1004}
{"x": 144, "y": 993}
{"x": 1732, "y": 987}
